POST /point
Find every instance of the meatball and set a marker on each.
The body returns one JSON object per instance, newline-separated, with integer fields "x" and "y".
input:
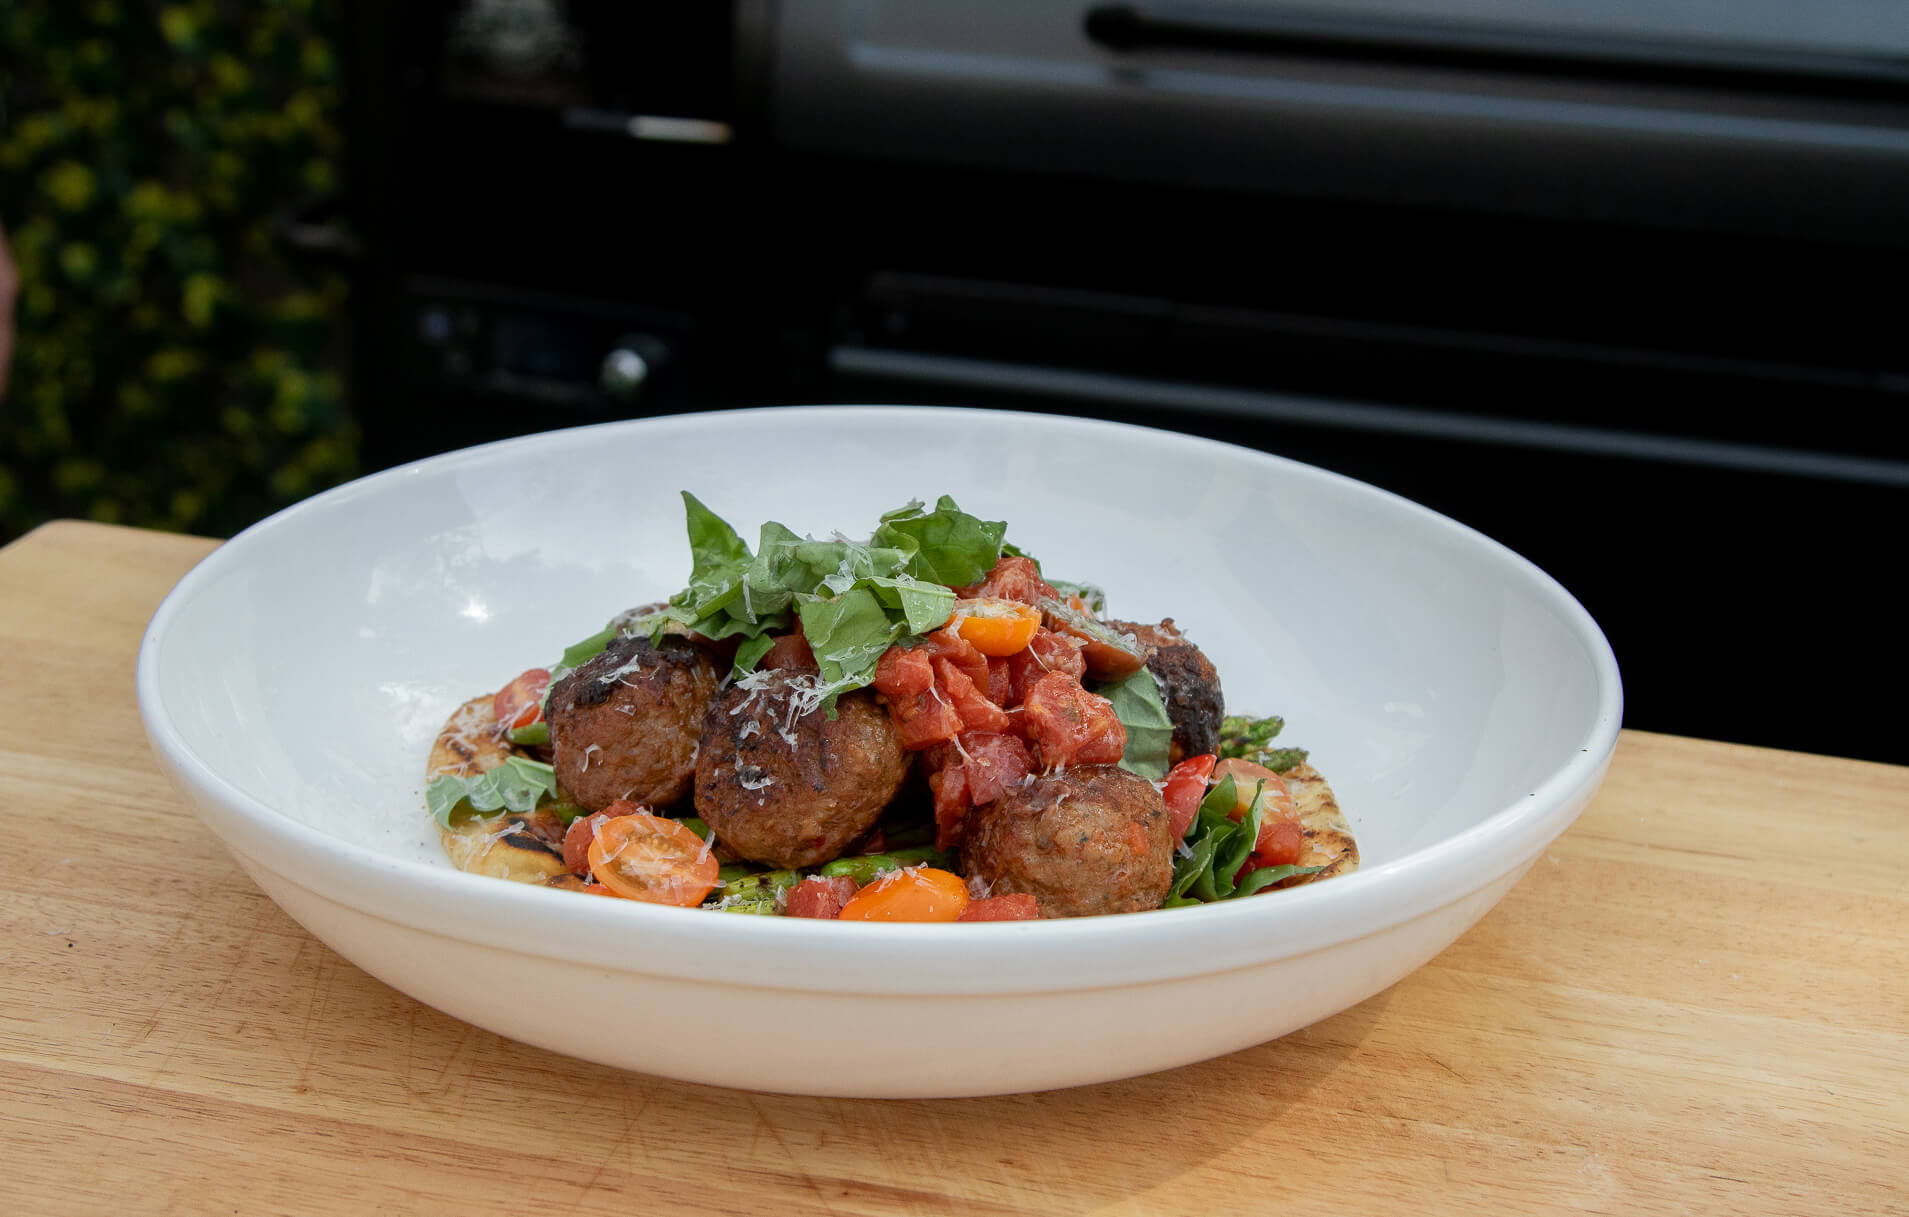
{"x": 783, "y": 783}
{"x": 1188, "y": 684}
{"x": 624, "y": 725}
{"x": 1082, "y": 841}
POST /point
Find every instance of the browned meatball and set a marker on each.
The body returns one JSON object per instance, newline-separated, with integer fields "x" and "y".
{"x": 1188, "y": 684}
{"x": 1082, "y": 841}
{"x": 780, "y": 782}
{"x": 624, "y": 725}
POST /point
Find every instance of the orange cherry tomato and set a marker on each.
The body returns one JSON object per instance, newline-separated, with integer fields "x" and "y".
{"x": 915, "y": 893}
{"x": 994, "y": 626}
{"x": 650, "y": 858}
{"x": 521, "y": 702}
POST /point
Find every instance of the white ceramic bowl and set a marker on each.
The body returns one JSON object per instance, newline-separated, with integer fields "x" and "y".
{"x": 1463, "y": 706}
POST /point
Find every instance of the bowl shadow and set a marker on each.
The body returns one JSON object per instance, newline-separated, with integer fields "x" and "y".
{"x": 1069, "y": 1151}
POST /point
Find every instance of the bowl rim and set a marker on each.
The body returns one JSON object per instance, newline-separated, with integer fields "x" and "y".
{"x": 1091, "y": 952}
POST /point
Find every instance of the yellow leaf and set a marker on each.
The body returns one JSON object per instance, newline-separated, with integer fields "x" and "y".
{"x": 201, "y": 297}
{"x": 172, "y": 363}
{"x": 78, "y": 260}
{"x": 70, "y": 184}
{"x": 177, "y": 25}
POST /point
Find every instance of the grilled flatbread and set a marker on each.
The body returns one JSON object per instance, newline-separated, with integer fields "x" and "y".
{"x": 1329, "y": 842}
{"x": 507, "y": 845}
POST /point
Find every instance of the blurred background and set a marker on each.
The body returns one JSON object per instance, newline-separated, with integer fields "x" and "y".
{"x": 1618, "y": 284}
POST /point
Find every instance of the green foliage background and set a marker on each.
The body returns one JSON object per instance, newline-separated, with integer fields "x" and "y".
{"x": 170, "y": 369}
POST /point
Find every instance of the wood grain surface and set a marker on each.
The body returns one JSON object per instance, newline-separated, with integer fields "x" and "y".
{"x": 1697, "y": 1001}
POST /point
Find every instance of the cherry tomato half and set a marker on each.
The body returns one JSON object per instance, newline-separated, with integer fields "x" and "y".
{"x": 521, "y": 702}
{"x": 996, "y": 627}
{"x": 915, "y": 893}
{"x": 650, "y": 858}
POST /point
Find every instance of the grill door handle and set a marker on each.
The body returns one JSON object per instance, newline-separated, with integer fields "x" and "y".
{"x": 1281, "y": 33}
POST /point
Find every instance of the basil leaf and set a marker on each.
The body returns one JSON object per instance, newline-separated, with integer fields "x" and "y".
{"x": 923, "y": 606}
{"x": 876, "y": 593}
{"x": 835, "y": 566}
{"x": 946, "y": 545}
{"x": 516, "y": 785}
{"x": 714, "y": 547}
{"x": 1196, "y": 861}
{"x": 719, "y": 562}
{"x": 1266, "y": 876}
{"x": 1215, "y": 880}
{"x": 579, "y": 653}
{"x": 848, "y": 634}
{"x": 1233, "y": 855}
{"x": 1143, "y": 712}
{"x": 750, "y": 653}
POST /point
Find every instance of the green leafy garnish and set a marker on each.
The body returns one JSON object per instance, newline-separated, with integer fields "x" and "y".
{"x": 853, "y": 599}
{"x": 1139, "y": 707}
{"x": 946, "y": 545}
{"x": 516, "y": 785}
{"x": 1217, "y": 846}
{"x": 750, "y": 653}
{"x": 848, "y": 634}
{"x": 579, "y": 653}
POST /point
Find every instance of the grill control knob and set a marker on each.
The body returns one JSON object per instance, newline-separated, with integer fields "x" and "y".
{"x": 630, "y": 364}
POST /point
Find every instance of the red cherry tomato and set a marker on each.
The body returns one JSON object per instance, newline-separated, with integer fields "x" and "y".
{"x": 521, "y": 702}
{"x": 1186, "y": 786}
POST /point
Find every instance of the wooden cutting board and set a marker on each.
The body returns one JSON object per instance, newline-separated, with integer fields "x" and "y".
{"x": 1697, "y": 1001}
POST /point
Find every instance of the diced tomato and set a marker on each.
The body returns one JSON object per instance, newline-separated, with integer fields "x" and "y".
{"x": 902, "y": 673}
{"x": 1046, "y": 652}
{"x": 994, "y": 763}
{"x": 1186, "y": 786}
{"x": 1015, "y": 906}
{"x": 952, "y": 803}
{"x": 790, "y": 651}
{"x": 1070, "y": 725}
{"x": 521, "y": 702}
{"x": 986, "y": 764}
{"x": 929, "y": 719}
{"x": 976, "y": 711}
{"x": 996, "y": 627}
{"x": 923, "y": 713}
{"x": 820, "y": 897}
{"x": 1013, "y": 578}
{"x": 946, "y": 644}
{"x": 1000, "y": 688}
